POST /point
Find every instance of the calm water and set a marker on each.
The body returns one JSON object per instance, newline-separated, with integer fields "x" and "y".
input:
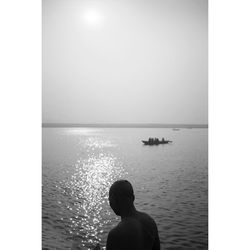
{"x": 170, "y": 184}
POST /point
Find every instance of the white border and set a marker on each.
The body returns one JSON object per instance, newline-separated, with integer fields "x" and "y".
{"x": 20, "y": 104}
{"x": 229, "y": 124}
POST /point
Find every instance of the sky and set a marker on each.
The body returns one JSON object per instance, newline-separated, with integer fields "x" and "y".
{"x": 125, "y": 61}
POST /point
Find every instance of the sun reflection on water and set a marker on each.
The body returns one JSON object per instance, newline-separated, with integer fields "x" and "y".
{"x": 87, "y": 192}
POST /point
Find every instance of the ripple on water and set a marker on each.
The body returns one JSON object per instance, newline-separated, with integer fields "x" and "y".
{"x": 169, "y": 185}
{"x": 82, "y": 199}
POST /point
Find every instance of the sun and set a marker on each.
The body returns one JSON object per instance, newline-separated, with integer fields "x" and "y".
{"x": 92, "y": 17}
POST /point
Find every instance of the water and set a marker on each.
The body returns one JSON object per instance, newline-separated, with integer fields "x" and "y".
{"x": 170, "y": 184}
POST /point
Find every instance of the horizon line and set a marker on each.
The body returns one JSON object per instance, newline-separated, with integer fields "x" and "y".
{"x": 125, "y": 125}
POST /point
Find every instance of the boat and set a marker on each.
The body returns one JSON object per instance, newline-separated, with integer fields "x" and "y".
{"x": 156, "y": 142}
{"x": 176, "y": 129}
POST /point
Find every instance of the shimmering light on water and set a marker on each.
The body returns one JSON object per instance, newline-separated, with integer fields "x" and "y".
{"x": 86, "y": 190}
{"x": 89, "y": 189}
{"x": 170, "y": 183}
{"x": 79, "y": 131}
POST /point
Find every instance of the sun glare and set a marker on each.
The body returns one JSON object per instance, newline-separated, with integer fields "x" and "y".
{"x": 92, "y": 17}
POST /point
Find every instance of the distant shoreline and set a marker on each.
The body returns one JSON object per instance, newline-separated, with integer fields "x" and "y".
{"x": 121, "y": 125}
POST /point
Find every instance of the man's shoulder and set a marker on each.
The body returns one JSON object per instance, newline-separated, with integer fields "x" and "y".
{"x": 124, "y": 236}
{"x": 148, "y": 222}
{"x": 121, "y": 234}
{"x": 143, "y": 214}
{"x": 117, "y": 230}
{"x": 115, "y": 239}
{"x": 127, "y": 228}
{"x": 129, "y": 225}
{"x": 145, "y": 217}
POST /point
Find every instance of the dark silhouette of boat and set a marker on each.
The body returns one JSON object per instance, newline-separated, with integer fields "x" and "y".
{"x": 156, "y": 141}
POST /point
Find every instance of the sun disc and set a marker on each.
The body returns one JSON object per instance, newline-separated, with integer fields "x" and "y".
{"x": 92, "y": 17}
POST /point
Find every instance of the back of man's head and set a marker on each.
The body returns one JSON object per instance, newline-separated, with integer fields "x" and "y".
{"x": 121, "y": 193}
{"x": 122, "y": 188}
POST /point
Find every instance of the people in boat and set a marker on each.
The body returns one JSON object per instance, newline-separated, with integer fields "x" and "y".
{"x": 163, "y": 140}
{"x": 154, "y": 140}
{"x": 137, "y": 230}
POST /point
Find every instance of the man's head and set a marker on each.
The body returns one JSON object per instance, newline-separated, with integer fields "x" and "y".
{"x": 121, "y": 196}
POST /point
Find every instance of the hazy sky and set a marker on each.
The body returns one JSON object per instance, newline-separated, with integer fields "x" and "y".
{"x": 125, "y": 61}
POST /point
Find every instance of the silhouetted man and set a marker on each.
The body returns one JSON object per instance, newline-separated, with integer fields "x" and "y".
{"x": 137, "y": 230}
